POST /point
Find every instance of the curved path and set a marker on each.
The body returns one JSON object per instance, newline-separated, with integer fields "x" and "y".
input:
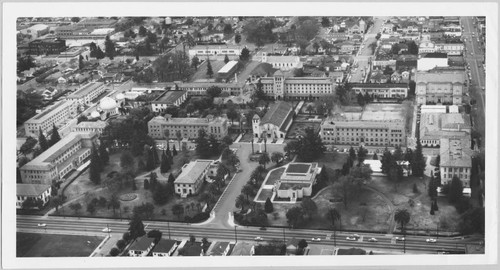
{"x": 392, "y": 223}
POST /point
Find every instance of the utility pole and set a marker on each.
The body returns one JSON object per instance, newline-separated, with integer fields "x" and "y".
{"x": 235, "y": 234}
{"x": 284, "y": 236}
{"x": 168, "y": 225}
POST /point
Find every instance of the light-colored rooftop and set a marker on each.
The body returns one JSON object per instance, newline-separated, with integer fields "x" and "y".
{"x": 92, "y": 124}
{"x": 85, "y": 90}
{"x": 169, "y": 97}
{"x": 441, "y": 77}
{"x": 186, "y": 120}
{"x": 443, "y": 125}
{"x": 455, "y": 152}
{"x": 192, "y": 171}
{"x": 227, "y": 67}
{"x": 62, "y": 105}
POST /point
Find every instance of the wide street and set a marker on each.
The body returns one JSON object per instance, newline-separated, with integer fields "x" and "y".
{"x": 474, "y": 56}
{"x": 385, "y": 244}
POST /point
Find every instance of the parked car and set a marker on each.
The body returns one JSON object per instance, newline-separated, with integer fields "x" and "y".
{"x": 400, "y": 239}
{"x": 42, "y": 225}
{"x": 263, "y": 229}
{"x": 316, "y": 239}
{"x": 372, "y": 240}
{"x": 258, "y": 238}
{"x": 430, "y": 240}
{"x": 350, "y": 238}
{"x": 106, "y": 230}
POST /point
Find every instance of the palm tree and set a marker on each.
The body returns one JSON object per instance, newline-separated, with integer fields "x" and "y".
{"x": 402, "y": 216}
{"x": 333, "y": 215}
{"x": 178, "y": 134}
{"x": 241, "y": 201}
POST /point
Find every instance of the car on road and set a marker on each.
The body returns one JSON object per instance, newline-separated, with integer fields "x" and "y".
{"x": 42, "y": 225}
{"x": 263, "y": 229}
{"x": 430, "y": 240}
{"x": 350, "y": 238}
{"x": 372, "y": 239}
{"x": 106, "y": 230}
{"x": 400, "y": 238}
{"x": 258, "y": 238}
{"x": 316, "y": 239}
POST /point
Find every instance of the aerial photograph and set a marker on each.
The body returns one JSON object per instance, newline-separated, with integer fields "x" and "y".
{"x": 250, "y": 136}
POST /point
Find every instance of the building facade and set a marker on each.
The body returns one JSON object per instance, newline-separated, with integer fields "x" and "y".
{"x": 85, "y": 94}
{"x": 167, "y": 99}
{"x": 276, "y": 122}
{"x": 192, "y": 177}
{"x": 46, "y": 46}
{"x": 203, "y": 52}
{"x": 440, "y": 87}
{"x": 64, "y": 156}
{"x": 90, "y": 126}
{"x": 55, "y": 115}
{"x": 455, "y": 154}
{"x": 378, "y": 126}
{"x": 32, "y": 191}
{"x": 297, "y": 181}
{"x": 386, "y": 90}
{"x": 282, "y": 62}
{"x": 188, "y": 127}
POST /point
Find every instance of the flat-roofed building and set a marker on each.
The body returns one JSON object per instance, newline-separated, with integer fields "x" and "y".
{"x": 203, "y": 51}
{"x": 432, "y": 60}
{"x": 382, "y": 90}
{"x": 61, "y": 158}
{"x": 377, "y": 126}
{"x": 227, "y": 70}
{"x": 167, "y": 99}
{"x": 282, "y": 86}
{"x": 199, "y": 88}
{"x": 90, "y": 126}
{"x": 192, "y": 177}
{"x": 32, "y": 191}
{"x": 189, "y": 127}
{"x": 282, "y": 62}
{"x": 440, "y": 87}
{"x": 455, "y": 160}
{"x": 435, "y": 126}
{"x": 46, "y": 46}
{"x": 57, "y": 114}
{"x": 87, "y": 93}
{"x": 297, "y": 180}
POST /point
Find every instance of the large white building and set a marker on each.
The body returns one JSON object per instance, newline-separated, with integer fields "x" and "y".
{"x": 382, "y": 90}
{"x": 440, "y": 87}
{"x": 296, "y": 181}
{"x": 204, "y": 51}
{"x": 192, "y": 177}
{"x": 377, "y": 125}
{"x": 57, "y": 114}
{"x": 284, "y": 86}
{"x": 189, "y": 127}
{"x": 87, "y": 93}
{"x": 32, "y": 191}
{"x": 282, "y": 62}
{"x": 63, "y": 157}
{"x": 167, "y": 99}
{"x": 455, "y": 160}
{"x": 432, "y": 60}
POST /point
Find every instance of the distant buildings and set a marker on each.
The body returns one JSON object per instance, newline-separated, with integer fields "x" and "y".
{"x": 192, "y": 177}
{"x": 32, "y": 191}
{"x": 436, "y": 126}
{"x": 36, "y": 30}
{"x": 187, "y": 126}
{"x": 296, "y": 181}
{"x": 46, "y": 46}
{"x": 432, "y": 60}
{"x": 167, "y": 99}
{"x": 275, "y": 123}
{"x": 440, "y": 87}
{"x": 63, "y": 157}
{"x": 378, "y": 125}
{"x": 204, "y": 51}
{"x": 455, "y": 155}
{"x": 382, "y": 90}
{"x": 54, "y": 115}
{"x": 90, "y": 126}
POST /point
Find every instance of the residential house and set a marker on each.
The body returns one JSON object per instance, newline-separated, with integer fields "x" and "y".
{"x": 49, "y": 93}
{"x": 292, "y": 245}
{"x": 141, "y": 247}
{"x": 164, "y": 248}
{"x": 219, "y": 249}
{"x": 243, "y": 249}
{"x": 32, "y": 191}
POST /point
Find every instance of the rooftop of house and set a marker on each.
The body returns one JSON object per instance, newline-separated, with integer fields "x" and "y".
{"x": 187, "y": 120}
{"x": 142, "y": 243}
{"x": 169, "y": 97}
{"x": 277, "y": 114}
{"x": 31, "y": 190}
{"x": 242, "y": 249}
{"x": 192, "y": 171}
{"x": 435, "y": 55}
{"x": 194, "y": 249}
{"x": 455, "y": 152}
{"x": 164, "y": 245}
{"x": 219, "y": 248}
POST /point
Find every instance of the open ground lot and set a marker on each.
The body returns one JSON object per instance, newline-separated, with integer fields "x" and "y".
{"x": 298, "y": 128}
{"x": 55, "y": 245}
{"x": 201, "y": 73}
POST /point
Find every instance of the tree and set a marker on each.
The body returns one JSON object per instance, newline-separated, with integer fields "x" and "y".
{"x": 127, "y": 161}
{"x": 242, "y": 202}
{"x": 473, "y": 221}
{"x": 91, "y": 208}
{"x": 103, "y": 155}
{"x": 178, "y": 134}
{"x": 375, "y": 157}
{"x": 161, "y": 194}
{"x": 412, "y": 84}
{"x": 27, "y": 146}
{"x": 75, "y": 207}
{"x": 295, "y": 216}
{"x": 277, "y": 157}
{"x": 178, "y": 210}
{"x": 432, "y": 191}
{"x": 109, "y": 48}
{"x": 142, "y": 31}
{"x": 120, "y": 244}
{"x": 156, "y": 234}
{"x": 362, "y": 152}
{"x": 226, "y": 59}
{"x": 301, "y": 246}
{"x": 402, "y": 216}
{"x": 114, "y": 203}
{"x": 210, "y": 72}
{"x": 248, "y": 191}
{"x": 352, "y": 154}
{"x": 75, "y": 19}
{"x": 455, "y": 193}
{"x": 264, "y": 159}
{"x": 245, "y": 54}
{"x": 333, "y": 216}
{"x": 309, "y": 207}
{"x": 237, "y": 38}
{"x": 325, "y": 22}
{"x": 81, "y": 65}
{"x": 308, "y": 147}
{"x": 195, "y": 62}
{"x": 214, "y": 91}
{"x": 268, "y": 206}
{"x": 361, "y": 99}
{"x": 42, "y": 141}
{"x": 165, "y": 163}
{"x": 114, "y": 252}
{"x": 136, "y": 227}
{"x": 418, "y": 166}
{"x": 95, "y": 167}
{"x": 202, "y": 144}
{"x": 395, "y": 175}
{"x": 308, "y": 29}
{"x": 387, "y": 161}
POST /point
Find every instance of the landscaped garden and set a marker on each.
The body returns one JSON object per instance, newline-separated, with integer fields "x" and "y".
{"x": 55, "y": 245}
{"x": 298, "y": 128}
{"x": 274, "y": 176}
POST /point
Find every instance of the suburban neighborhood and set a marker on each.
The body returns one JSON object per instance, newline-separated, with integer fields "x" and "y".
{"x": 250, "y": 136}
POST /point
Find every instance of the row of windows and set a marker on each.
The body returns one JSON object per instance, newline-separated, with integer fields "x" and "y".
{"x": 449, "y": 169}
{"x": 68, "y": 153}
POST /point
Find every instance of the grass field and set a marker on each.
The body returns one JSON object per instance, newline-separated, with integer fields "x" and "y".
{"x": 55, "y": 245}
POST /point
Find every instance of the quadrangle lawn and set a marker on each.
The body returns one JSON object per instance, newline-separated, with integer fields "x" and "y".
{"x": 55, "y": 245}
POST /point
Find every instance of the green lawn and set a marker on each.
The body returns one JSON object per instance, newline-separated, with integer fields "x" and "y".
{"x": 55, "y": 245}
{"x": 274, "y": 176}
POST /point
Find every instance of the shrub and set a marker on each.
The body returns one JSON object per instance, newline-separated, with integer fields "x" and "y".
{"x": 200, "y": 217}
{"x": 114, "y": 252}
{"x": 121, "y": 244}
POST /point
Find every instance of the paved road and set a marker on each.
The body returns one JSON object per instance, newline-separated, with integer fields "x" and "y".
{"x": 475, "y": 61}
{"x": 89, "y": 226}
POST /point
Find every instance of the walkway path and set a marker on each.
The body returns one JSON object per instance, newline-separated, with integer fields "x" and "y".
{"x": 391, "y": 206}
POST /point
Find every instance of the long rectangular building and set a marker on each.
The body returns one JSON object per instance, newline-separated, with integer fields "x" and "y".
{"x": 54, "y": 115}
{"x": 167, "y": 99}
{"x": 378, "y": 125}
{"x": 440, "y": 87}
{"x": 382, "y": 90}
{"x": 192, "y": 177}
{"x": 64, "y": 156}
{"x": 87, "y": 93}
{"x": 188, "y": 127}
{"x": 436, "y": 126}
